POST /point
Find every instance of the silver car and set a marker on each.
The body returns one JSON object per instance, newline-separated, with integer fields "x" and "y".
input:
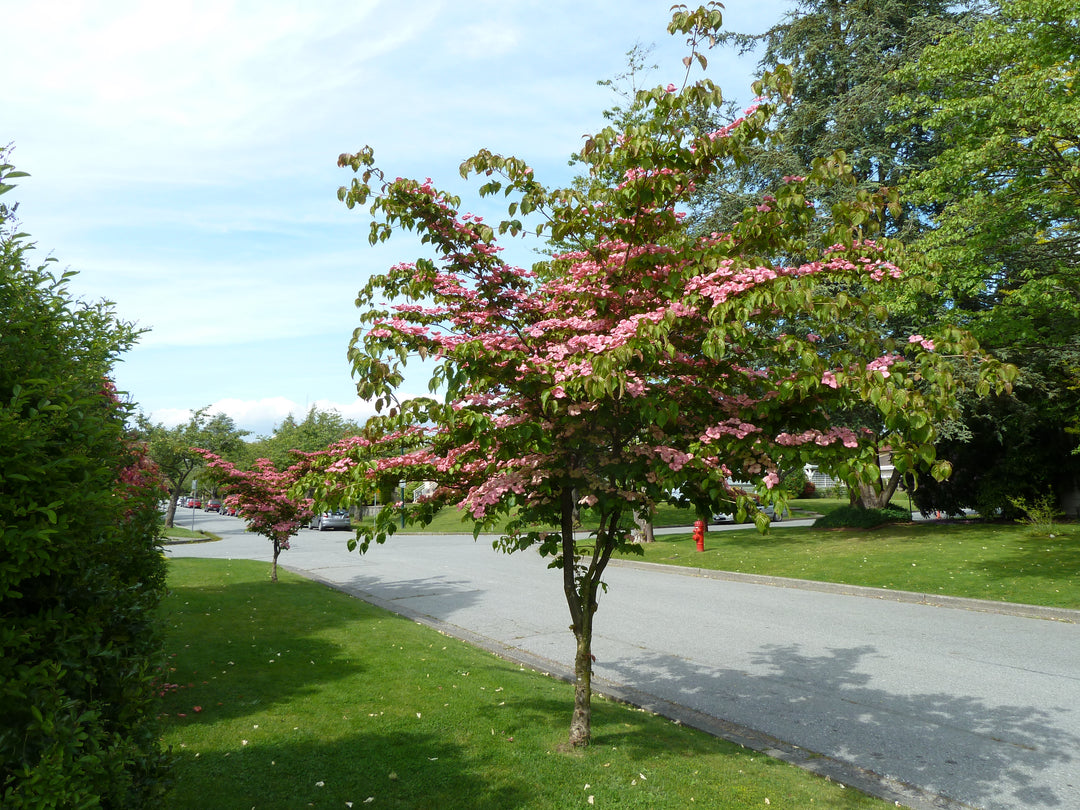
{"x": 338, "y": 519}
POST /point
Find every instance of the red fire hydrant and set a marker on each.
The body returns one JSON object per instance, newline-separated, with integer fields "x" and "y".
{"x": 699, "y": 534}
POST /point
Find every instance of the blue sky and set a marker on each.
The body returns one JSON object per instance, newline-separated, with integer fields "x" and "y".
{"x": 183, "y": 159}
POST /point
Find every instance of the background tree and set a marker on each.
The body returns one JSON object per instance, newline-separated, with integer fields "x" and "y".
{"x": 81, "y": 570}
{"x": 261, "y": 496}
{"x": 648, "y": 359}
{"x": 172, "y": 449}
{"x": 315, "y": 432}
{"x": 844, "y": 56}
{"x": 1005, "y": 195}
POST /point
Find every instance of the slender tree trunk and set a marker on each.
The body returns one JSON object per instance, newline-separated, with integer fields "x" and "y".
{"x": 581, "y": 603}
{"x": 581, "y": 585}
{"x": 581, "y": 720}
{"x": 871, "y": 497}
{"x": 170, "y": 512}
{"x": 645, "y": 529}
{"x": 273, "y": 568}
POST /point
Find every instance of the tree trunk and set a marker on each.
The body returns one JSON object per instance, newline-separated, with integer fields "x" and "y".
{"x": 581, "y": 721}
{"x": 273, "y": 567}
{"x": 878, "y": 497}
{"x": 645, "y": 529}
{"x": 582, "y": 604}
{"x": 170, "y": 512}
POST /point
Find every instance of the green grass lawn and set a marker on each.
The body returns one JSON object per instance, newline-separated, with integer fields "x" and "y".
{"x": 180, "y": 533}
{"x": 294, "y": 695}
{"x": 984, "y": 561}
{"x": 452, "y": 521}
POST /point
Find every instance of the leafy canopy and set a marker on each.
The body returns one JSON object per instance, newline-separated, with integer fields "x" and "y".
{"x": 172, "y": 449}
{"x": 261, "y": 496}
{"x": 647, "y": 359}
{"x": 1005, "y": 188}
{"x": 1007, "y": 184}
{"x": 643, "y": 358}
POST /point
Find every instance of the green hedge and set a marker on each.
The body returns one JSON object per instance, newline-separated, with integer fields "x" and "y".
{"x": 81, "y": 570}
{"x": 852, "y": 517}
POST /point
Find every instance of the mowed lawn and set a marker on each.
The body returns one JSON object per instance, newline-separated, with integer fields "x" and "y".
{"x": 293, "y": 695}
{"x": 999, "y": 561}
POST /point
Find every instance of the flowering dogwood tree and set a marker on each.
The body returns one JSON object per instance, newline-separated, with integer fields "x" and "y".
{"x": 645, "y": 360}
{"x": 262, "y": 496}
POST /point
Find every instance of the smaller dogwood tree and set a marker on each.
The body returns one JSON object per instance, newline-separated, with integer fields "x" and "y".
{"x": 261, "y": 496}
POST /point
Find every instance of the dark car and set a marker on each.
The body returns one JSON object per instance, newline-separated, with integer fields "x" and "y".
{"x": 338, "y": 519}
{"x": 212, "y": 505}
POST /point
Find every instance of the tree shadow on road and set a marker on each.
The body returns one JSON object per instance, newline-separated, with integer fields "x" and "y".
{"x": 950, "y": 744}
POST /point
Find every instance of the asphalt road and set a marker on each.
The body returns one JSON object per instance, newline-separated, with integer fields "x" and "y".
{"x": 930, "y": 706}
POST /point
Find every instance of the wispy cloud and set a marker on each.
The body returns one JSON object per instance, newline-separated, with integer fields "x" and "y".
{"x": 183, "y": 158}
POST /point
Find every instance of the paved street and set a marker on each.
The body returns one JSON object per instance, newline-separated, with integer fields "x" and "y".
{"x": 952, "y": 707}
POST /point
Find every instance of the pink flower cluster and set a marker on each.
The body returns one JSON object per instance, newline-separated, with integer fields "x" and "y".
{"x": 725, "y": 283}
{"x": 882, "y": 364}
{"x": 926, "y": 343}
{"x": 822, "y": 439}
{"x": 730, "y": 427}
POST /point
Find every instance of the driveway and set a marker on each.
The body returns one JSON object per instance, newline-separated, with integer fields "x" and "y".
{"x": 927, "y": 705}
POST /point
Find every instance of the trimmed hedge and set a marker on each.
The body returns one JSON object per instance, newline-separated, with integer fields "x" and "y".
{"x": 81, "y": 570}
{"x": 853, "y": 517}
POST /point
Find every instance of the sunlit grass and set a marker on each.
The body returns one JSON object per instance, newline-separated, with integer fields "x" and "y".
{"x": 180, "y": 533}
{"x": 453, "y": 521}
{"x": 1003, "y": 562}
{"x": 294, "y": 695}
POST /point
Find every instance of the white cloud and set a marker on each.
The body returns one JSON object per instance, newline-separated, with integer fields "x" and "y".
{"x": 183, "y": 159}
{"x": 261, "y": 416}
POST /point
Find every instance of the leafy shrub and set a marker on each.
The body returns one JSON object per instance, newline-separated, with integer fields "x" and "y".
{"x": 1039, "y": 514}
{"x": 853, "y": 517}
{"x": 796, "y": 483}
{"x": 81, "y": 572}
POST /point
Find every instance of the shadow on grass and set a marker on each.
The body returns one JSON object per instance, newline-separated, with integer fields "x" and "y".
{"x": 278, "y": 656}
{"x": 406, "y": 770}
{"x": 613, "y": 726}
{"x": 1046, "y": 557}
{"x": 959, "y": 746}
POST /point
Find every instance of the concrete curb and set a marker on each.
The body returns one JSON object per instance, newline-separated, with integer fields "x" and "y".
{"x": 913, "y": 597}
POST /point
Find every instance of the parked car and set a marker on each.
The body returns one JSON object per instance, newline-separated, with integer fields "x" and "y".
{"x": 228, "y": 510}
{"x": 212, "y": 505}
{"x": 194, "y": 503}
{"x": 338, "y": 519}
